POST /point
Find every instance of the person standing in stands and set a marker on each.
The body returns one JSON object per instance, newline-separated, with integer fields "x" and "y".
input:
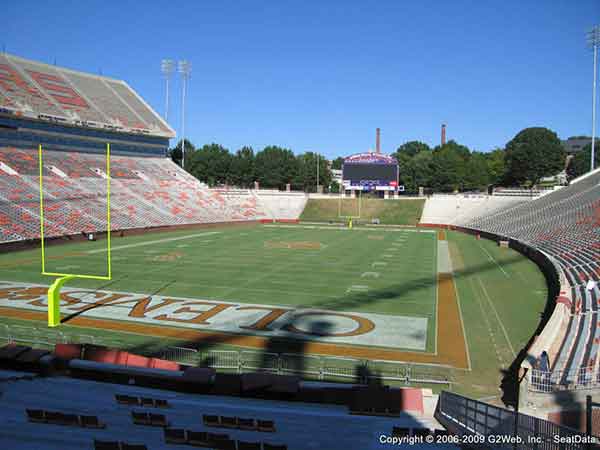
{"x": 544, "y": 367}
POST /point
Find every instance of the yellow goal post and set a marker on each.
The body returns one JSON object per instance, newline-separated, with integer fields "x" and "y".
{"x": 350, "y": 217}
{"x": 62, "y": 278}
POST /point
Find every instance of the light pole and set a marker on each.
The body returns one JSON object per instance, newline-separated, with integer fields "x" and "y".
{"x": 185, "y": 69}
{"x": 593, "y": 39}
{"x": 167, "y": 67}
{"x": 317, "y": 173}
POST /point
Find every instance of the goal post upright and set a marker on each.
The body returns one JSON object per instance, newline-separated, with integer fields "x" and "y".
{"x": 350, "y": 217}
{"x": 62, "y": 278}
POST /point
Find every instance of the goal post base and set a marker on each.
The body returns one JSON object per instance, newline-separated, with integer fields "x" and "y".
{"x": 54, "y": 300}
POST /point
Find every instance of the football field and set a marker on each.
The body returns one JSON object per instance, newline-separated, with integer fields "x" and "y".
{"x": 443, "y": 300}
{"x": 375, "y": 274}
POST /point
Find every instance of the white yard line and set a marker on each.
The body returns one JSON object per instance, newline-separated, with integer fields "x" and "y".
{"x": 496, "y": 262}
{"x": 435, "y": 296}
{"x": 497, "y": 317}
{"x": 488, "y": 324}
{"x": 157, "y": 241}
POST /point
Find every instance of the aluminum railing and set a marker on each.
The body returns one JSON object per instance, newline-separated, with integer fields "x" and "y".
{"x": 561, "y": 380}
{"x": 480, "y": 425}
{"x": 242, "y": 361}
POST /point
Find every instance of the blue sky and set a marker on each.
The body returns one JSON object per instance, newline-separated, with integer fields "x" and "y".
{"x": 322, "y": 75}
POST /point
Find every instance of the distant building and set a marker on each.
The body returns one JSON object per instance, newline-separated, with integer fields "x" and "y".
{"x": 336, "y": 175}
{"x": 576, "y": 144}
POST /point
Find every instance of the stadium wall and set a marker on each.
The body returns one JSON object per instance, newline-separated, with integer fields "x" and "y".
{"x": 29, "y": 244}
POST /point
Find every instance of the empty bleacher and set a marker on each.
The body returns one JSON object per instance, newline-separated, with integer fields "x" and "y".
{"x": 35, "y": 90}
{"x": 145, "y": 192}
{"x": 96, "y": 405}
{"x": 460, "y": 209}
{"x": 22, "y": 93}
{"x": 73, "y": 114}
{"x": 520, "y": 192}
{"x": 565, "y": 225}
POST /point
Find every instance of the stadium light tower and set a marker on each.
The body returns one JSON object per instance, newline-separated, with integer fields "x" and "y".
{"x": 317, "y": 172}
{"x": 167, "y": 67}
{"x": 593, "y": 39}
{"x": 185, "y": 69}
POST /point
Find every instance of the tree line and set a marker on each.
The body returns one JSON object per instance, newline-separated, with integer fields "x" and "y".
{"x": 273, "y": 167}
{"x": 534, "y": 153}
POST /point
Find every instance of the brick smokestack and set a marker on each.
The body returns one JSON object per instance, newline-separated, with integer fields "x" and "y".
{"x": 443, "y": 133}
{"x": 378, "y": 141}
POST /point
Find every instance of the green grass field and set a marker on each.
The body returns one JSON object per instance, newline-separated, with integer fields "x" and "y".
{"x": 252, "y": 265}
{"x": 389, "y": 212}
{"x": 501, "y": 293}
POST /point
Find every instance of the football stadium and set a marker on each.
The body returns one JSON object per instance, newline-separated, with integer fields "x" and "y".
{"x": 143, "y": 307}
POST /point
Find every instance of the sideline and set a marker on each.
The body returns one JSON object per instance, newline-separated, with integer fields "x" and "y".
{"x": 497, "y": 317}
{"x": 494, "y": 260}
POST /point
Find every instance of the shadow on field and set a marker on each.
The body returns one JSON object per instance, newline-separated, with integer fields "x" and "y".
{"x": 291, "y": 342}
{"x": 348, "y": 302}
{"x": 94, "y": 305}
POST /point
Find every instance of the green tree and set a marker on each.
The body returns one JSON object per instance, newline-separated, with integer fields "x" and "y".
{"x": 450, "y": 162}
{"x": 423, "y": 170}
{"x": 406, "y": 171}
{"x": 580, "y": 163}
{"x": 532, "y": 154}
{"x": 175, "y": 153}
{"x": 241, "y": 171}
{"x": 495, "y": 166}
{"x": 477, "y": 175}
{"x": 211, "y": 164}
{"x": 414, "y": 158}
{"x": 306, "y": 176}
{"x": 337, "y": 163}
{"x": 411, "y": 148}
{"x": 275, "y": 166}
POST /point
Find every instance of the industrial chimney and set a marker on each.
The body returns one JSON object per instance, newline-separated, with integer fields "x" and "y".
{"x": 378, "y": 141}
{"x": 443, "y": 133}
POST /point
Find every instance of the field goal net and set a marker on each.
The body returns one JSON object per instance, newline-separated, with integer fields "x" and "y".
{"x": 63, "y": 214}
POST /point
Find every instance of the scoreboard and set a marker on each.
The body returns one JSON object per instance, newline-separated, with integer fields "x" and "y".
{"x": 370, "y": 171}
